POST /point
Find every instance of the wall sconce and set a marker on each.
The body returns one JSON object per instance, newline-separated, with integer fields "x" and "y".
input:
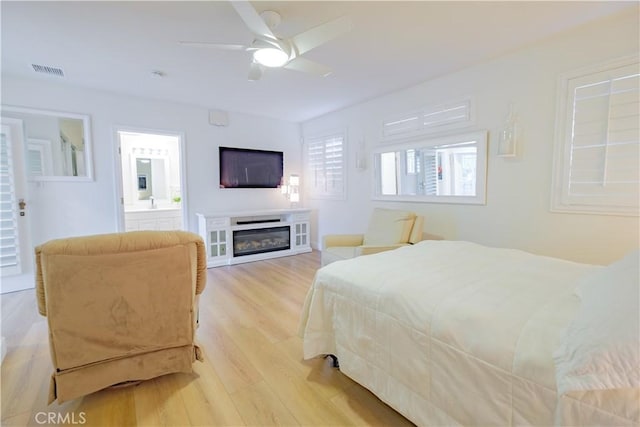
{"x": 292, "y": 189}
{"x": 508, "y": 135}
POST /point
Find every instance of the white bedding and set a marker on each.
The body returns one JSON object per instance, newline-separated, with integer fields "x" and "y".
{"x": 454, "y": 333}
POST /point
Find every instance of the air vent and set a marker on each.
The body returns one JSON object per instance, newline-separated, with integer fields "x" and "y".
{"x": 52, "y": 71}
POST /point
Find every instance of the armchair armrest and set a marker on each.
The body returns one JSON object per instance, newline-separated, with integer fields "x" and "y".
{"x": 331, "y": 240}
{"x": 201, "y": 266}
{"x": 42, "y": 305}
{"x": 370, "y": 249}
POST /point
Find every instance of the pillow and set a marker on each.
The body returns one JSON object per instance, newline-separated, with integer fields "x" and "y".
{"x": 388, "y": 227}
{"x": 417, "y": 230}
{"x": 600, "y": 349}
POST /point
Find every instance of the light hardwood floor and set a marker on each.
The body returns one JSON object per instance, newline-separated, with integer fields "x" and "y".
{"x": 253, "y": 373}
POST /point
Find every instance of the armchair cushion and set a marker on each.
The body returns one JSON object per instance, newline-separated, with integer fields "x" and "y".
{"x": 389, "y": 227}
{"x": 335, "y": 240}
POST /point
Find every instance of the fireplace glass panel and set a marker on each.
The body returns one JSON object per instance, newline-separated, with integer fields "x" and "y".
{"x": 261, "y": 240}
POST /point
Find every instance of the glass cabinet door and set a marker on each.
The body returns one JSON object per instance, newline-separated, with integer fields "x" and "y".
{"x": 218, "y": 243}
{"x": 301, "y": 234}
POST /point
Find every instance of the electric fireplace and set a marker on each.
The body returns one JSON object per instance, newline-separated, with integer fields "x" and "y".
{"x": 261, "y": 240}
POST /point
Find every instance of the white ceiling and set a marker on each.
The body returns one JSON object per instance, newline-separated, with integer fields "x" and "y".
{"x": 115, "y": 46}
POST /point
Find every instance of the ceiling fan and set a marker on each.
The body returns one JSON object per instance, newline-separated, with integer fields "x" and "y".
{"x": 275, "y": 52}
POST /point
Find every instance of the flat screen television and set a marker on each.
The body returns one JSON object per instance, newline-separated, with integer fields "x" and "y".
{"x": 247, "y": 168}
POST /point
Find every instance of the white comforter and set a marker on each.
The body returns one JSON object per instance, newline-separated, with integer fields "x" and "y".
{"x": 454, "y": 333}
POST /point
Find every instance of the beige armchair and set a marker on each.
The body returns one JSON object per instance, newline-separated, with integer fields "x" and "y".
{"x": 388, "y": 229}
{"x": 120, "y": 307}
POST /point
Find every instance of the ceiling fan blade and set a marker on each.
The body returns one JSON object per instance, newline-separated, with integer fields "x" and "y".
{"x": 223, "y": 46}
{"x": 306, "y": 66}
{"x": 321, "y": 34}
{"x": 252, "y": 19}
{"x": 255, "y": 71}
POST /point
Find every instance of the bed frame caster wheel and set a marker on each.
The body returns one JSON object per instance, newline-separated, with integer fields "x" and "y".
{"x": 334, "y": 359}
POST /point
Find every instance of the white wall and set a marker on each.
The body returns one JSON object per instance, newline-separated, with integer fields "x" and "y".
{"x": 60, "y": 209}
{"x": 517, "y": 211}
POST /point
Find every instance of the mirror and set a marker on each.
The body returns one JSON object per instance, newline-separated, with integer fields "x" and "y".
{"x": 58, "y": 145}
{"x": 151, "y": 178}
{"x": 450, "y": 169}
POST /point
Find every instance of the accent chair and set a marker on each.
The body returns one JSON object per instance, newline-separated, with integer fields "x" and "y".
{"x": 121, "y": 307}
{"x": 388, "y": 229}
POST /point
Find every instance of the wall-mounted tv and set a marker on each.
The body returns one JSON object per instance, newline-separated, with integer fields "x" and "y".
{"x": 247, "y": 168}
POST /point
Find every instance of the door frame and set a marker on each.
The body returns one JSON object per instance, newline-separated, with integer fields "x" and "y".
{"x": 119, "y": 191}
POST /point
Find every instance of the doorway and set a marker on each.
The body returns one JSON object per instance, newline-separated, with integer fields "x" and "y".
{"x": 16, "y": 251}
{"x": 152, "y": 181}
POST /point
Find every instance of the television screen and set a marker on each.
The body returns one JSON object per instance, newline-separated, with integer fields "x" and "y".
{"x": 246, "y": 168}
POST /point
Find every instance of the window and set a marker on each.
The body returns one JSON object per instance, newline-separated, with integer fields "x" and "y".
{"x": 432, "y": 118}
{"x": 326, "y": 166}
{"x": 449, "y": 169}
{"x": 597, "y": 147}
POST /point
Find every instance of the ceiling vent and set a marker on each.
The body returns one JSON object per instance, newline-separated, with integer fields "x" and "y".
{"x": 45, "y": 69}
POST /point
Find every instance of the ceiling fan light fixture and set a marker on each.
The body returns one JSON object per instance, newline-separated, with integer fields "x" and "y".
{"x": 271, "y": 57}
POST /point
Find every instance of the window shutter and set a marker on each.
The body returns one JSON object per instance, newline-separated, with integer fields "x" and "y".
{"x": 325, "y": 166}
{"x": 36, "y": 164}
{"x": 430, "y": 173}
{"x": 600, "y": 166}
{"x": 446, "y": 114}
{"x": 9, "y": 249}
{"x": 432, "y": 118}
{"x": 406, "y": 123}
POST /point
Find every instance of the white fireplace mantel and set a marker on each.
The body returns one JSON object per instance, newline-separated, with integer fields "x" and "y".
{"x": 217, "y": 230}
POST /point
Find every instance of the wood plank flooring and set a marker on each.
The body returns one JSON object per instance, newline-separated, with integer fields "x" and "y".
{"x": 253, "y": 373}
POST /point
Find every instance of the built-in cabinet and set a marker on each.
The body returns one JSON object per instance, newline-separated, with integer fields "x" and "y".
{"x": 153, "y": 219}
{"x": 236, "y": 237}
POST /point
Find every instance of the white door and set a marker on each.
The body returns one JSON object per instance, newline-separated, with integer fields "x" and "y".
{"x": 16, "y": 252}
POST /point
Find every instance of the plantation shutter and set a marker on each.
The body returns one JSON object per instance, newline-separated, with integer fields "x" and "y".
{"x": 601, "y": 168}
{"x": 35, "y": 159}
{"x": 428, "y": 119}
{"x": 430, "y": 173}
{"x": 446, "y": 114}
{"x": 407, "y": 123}
{"x": 325, "y": 166}
{"x": 9, "y": 248}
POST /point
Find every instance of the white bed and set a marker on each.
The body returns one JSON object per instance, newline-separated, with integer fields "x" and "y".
{"x": 454, "y": 333}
